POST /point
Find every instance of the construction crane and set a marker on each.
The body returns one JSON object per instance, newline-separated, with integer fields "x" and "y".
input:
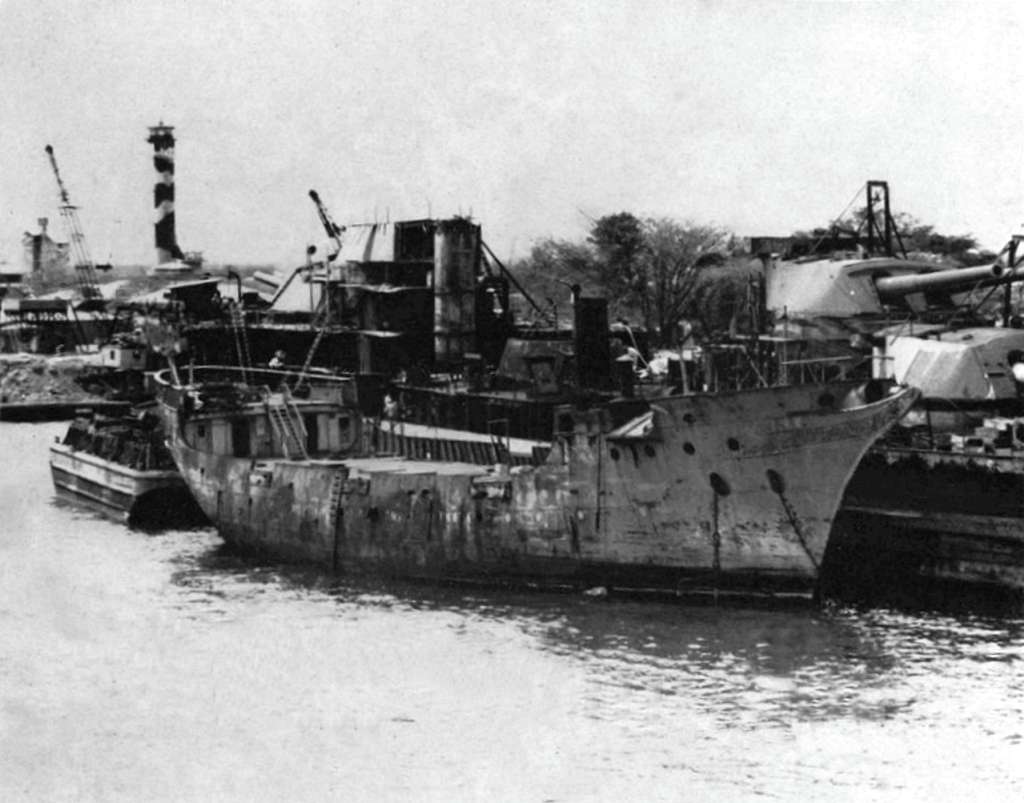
{"x": 84, "y": 267}
{"x": 321, "y": 319}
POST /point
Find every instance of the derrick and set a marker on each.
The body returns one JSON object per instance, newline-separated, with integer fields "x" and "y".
{"x": 84, "y": 267}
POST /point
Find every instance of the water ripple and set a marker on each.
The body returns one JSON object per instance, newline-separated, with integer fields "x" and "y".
{"x": 162, "y": 666}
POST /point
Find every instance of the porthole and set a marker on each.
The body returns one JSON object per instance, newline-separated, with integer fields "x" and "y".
{"x": 648, "y": 450}
{"x": 614, "y": 453}
{"x": 733, "y": 444}
{"x": 719, "y": 485}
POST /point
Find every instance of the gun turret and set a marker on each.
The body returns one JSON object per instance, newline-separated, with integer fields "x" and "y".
{"x": 850, "y": 287}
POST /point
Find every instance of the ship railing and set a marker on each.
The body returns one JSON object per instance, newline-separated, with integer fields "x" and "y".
{"x": 322, "y": 387}
{"x": 815, "y": 369}
{"x": 725, "y": 367}
{"x": 391, "y": 438}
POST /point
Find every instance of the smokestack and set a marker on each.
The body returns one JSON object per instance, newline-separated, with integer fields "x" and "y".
{"x": 162, "y": 138}
{"x": 593, "y": 345}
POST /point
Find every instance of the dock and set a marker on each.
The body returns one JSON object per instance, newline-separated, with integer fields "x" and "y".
{"x": 35, "y": 412}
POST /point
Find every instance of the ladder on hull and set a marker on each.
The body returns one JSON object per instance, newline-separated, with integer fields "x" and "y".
{"x": 334, "y": 502}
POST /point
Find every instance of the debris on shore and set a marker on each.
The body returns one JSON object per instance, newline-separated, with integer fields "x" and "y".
{"x": 36, "y": 378}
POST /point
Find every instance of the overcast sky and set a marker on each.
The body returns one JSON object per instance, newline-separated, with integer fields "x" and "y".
{"x": 762, "y": 118}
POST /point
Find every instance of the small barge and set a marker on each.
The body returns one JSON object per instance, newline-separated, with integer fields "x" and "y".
{"x": 120, "y": 466}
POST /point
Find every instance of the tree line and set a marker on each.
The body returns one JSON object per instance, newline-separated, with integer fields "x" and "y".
{"x": 675, "y": 278}
{"x": 655, "y": 272}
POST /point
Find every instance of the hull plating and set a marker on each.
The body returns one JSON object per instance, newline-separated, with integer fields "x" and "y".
{"x": 732, "y": 491}
{"x": 937, "y": 517}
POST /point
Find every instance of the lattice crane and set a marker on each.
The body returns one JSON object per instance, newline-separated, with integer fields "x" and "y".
{"x": 84, "y": 267}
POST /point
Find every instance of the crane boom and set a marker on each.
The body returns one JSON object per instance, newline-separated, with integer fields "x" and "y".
{"x": 333, "y": 229}
{"x": 320, "y": 319}
{"x": 85, "y": 269}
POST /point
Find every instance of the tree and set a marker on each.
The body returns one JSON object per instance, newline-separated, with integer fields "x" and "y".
{"x": 555, "y": 265}
{"x": 620, "y": 244}
{"x": 649, "y": 270}
{"x": 675, "y": 265}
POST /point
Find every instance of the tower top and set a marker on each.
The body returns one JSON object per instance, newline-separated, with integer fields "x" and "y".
{"x": 161, "y": 136}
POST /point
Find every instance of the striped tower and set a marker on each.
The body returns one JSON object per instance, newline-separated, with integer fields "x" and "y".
{"x": 162, "y": 138}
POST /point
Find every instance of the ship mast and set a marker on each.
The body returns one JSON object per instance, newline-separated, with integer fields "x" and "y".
{"x": 882, "y": 231}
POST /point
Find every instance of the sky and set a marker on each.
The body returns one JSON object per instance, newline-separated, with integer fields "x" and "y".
{"x": 534, "y": 118}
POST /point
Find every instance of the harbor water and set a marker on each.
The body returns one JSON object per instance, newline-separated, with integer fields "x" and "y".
{"x": 143, "y": 666}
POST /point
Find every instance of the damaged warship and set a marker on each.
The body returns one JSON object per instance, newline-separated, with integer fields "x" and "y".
{"x": 461, "y": 448}
{"x": 935, "y": 510}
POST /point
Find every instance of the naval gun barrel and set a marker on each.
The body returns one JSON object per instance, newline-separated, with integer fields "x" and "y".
{"x": 951, "y": 281}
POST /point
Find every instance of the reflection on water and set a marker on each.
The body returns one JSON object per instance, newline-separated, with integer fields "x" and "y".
{"x": 784, "y": 666}
{"x": 163, "y": 667}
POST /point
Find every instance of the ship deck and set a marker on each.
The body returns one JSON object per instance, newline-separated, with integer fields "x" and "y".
{"x": 517, "y": 446}
{"x": 398, "y": 465}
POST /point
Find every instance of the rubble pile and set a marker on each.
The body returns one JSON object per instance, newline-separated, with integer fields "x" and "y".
{"x": 35, "y": 378}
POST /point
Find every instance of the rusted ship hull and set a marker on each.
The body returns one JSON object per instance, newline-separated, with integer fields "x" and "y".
{"x": 933, "y": 521}
{"x": 703, "y": 493}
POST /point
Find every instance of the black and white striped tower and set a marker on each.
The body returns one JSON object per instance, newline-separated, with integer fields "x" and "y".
{"x": 162, "y": 138}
